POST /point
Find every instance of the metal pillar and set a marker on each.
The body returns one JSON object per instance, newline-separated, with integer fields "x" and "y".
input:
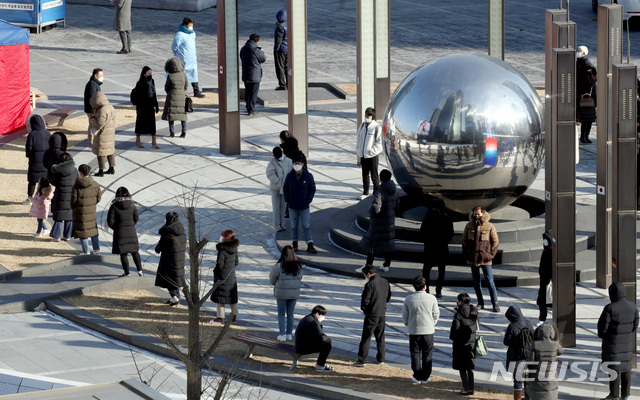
{"x": 623, "y": 188}
{"x": 496, "y": 28}
{"x": 297, "y": 45}
{"x": 366, "y": 56}
{"x": 229, "y": 106}
{"x": 609, "y": 53}
{"x": 383, "y": 80}
{"x": 563, "y": 193}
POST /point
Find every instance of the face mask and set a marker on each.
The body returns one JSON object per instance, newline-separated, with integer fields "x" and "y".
{"x": 101, "y": 79}
{"x": 477, "y": 217}
{"x": 221, "y": 239}
{"x": 368, "y": 120}
{"x": 545, "y": 242}
{"x": 280, "y": 158}
{"x": 149, "y": 77}
{"x": 321, "y": 318}
{"x": 190, "y": 29}
{"x": 297, "y": 167}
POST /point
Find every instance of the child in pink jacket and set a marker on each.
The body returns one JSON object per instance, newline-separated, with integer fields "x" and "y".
{"x": 40, "y": 207}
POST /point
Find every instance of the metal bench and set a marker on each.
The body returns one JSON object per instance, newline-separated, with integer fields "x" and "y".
{"x": 58, "y": 116}
{"x": 254, "y": 340}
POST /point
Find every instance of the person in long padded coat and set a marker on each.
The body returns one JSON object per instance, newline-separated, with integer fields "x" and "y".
{"x": 286, "y": 277}
{"x": 380, "y": 238}
{"x": 122, "y": 219}
{"x": 103, "y": 143}
{"x": 85, "y": 195}
{"x": 37, "y": 144}
{"x": 545, "y": 352}
{"x": 146, "y": 103}
{"x": 463, "y": 335}
{"x": 176, "y": 87}
{"x": 225, "y": 273}
{"x": 617, "y": 327}
{"x": 64, "y": 176}
{"x": 57, "y": 146}
{"x": 436, "y": 232}
{"x": 171, "y": 247}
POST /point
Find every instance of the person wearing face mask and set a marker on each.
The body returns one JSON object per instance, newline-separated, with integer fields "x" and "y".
{"x": 480, "y": 246}
{"x": 368, "y": 147}
{"x": 299, "y": 189}
{"x": 311, "y": 339}
{"x": 91, "y": 88}
{"x": 277, "y": 169}
{"x": 184, "y": 47}
{"x": 146, "y": 102}
{"x": 545, "y": 272}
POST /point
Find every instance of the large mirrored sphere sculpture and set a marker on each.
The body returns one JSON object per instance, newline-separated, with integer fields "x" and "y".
{"x": 467, "y": 129}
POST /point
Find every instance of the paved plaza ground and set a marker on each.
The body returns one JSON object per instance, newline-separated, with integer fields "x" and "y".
{"x": 233, "y": 191}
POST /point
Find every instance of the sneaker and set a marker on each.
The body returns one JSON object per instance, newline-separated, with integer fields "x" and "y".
{"x": 496, "y": 307}
{"x": 140, "y": 273}
{"x": 363, "y": 196}
{"x": 123, "y": 275}
{"x": 289, "y": 337}
{"x": 294, "y": 244}
{"x": 427, "y": 381}
{"x": 538, "y": 324}
{"x": 46, "y": 232}
{"x": 57, "y": 239}
{"x": 281, "y": 338}
{"x": 359, "y": 364}
{"x": 27, "y": 202}
{"x": 360, "y": 269}
{"x": 83, "y": 254}
{"x": 384, "y": 268}
{"x": 414, "y": 380}
{"x": 96, "y": 253}
{"x": 311, "y": 249}
{"x": 324, "y": 368}
{"x": 37, "y": 235}
{"x": 66, "y": 239}
{"x": 216, "y": 321}
{"x": 480, "y": 306}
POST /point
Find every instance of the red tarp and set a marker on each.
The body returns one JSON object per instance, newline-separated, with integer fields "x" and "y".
{"x": 15, "y": 85}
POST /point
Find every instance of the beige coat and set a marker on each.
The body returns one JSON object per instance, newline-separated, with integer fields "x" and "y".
{"x": 104, "y": 142}
{"x": 480, "y": 241}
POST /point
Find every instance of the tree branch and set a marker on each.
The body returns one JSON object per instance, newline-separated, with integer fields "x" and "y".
{"x": 172, "y": 346}
{"x": 207, "y": 354}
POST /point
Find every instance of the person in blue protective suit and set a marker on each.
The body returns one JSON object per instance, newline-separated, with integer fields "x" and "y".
{"x": 184, "y": 47}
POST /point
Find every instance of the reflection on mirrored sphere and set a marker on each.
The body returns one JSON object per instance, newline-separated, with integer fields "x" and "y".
{"x": 467, "y": 129}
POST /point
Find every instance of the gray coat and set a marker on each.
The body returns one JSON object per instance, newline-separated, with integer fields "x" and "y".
{"x": 286, "y": 287}
{"x": 277, "y": 170}
{"x": 546, "y": 350}
{"x": 122, "y": 21}
{"x": 176, "y": 87}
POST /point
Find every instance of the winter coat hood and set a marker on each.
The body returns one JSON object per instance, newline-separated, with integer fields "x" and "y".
{"x": 58, "y": 141}
{"x": 485, "y": 218}
{"x": 65, "y": 168}
{"x": 184, "y": 29}
{"x": 35, "y": 122}
{"x": 545, "y": 332}
{"x": 99, "y": 100}
{"x": 45, "y": 190}
{"x": 616, "y": 292}
{"x": 388, "y": 187}
{"x": 514, "y": 314}
{"x": 175, "y": 228}
{"x": 230, "y": 246}
{"x": 173, "y": 65}
{"x": 464, "y": 310}
{"x": 84, "y": 181}
{"x": 281, "y": 16}
{"x": 122, "y": 203}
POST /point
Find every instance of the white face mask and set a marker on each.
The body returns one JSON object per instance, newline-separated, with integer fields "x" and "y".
{"x": 368, "y": 120}
{"x": 281, "y": 158}
{"x": 297, "y": 167}
{"x": 221, "y": 239}
{"x": 101, "y": 79}
{"x": 320, "y": 318}
{"x": 545, "y": 242}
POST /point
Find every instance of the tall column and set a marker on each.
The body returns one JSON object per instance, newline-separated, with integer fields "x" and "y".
{"x": 297, "y": 45}
{"x": 496, "y": 29}
{"x": 366, "y": 55}
{"x": 609, "y": 53}
{"x": 229, "y": 106}
{"x": 383, "y": 81}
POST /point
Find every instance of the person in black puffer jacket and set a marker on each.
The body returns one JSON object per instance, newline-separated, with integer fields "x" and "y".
{"x": 436, "y": 231}
{"x": 122, "y": 219}
{"x": 57, "y": 146}
{"x": 37, "y": 144}
{"x": 463, "y": 334}
{"x": 616, "y": 327}
{"x": 64, "y": 175}
{"x": 171, "y": 247}
{"x": 225, "y": 273}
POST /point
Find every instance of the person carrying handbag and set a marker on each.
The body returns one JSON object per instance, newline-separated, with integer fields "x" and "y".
{"x": 586, "y": 76}
{"x": 463, "y": 335}
{"x": 102, "y": 132}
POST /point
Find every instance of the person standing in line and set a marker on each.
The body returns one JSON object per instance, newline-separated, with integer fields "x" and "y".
{"x": 103, "y": 140}
{"x": 311, "y": 339}
{"x": 480, "y": 246}
{"x": 64, "y": 176}
{"x": 277, "y": 169}
{"x": 85, "y": 195}
{"x": 545, "y": 352}
{"x": 122, "y": 23}
{"x": 146, "y": 102}
{"x": 545, "y": 271}
{"x": 299, "y": 189}
{"x": 286, "y": 277}
{"x": 171, "y": 247}
{"x": 420, "y": 314}
{"x": 252, "y": 57}
{"x": 586, "y": 76}
{"x": 436, "y": 232}
{"x": 463, "y": 334}
{"x": 380, "y": 238}
{"x": 184, "y": 47}
{"x": 122, "y": 219}
{"x": 40, "y": 206}
{"x": 57, "y": 146}
{"x": 289, "y": 144}
{"x": 225, "y": 273}
{"x": 37, "y": 144}
{"x": 519, "y": 328}
{"x": 375, "y": 296}
{"x": 368, "y": 147}
{"x": 91, "y": 88}
{"x": 174, "y": 104}
{"x": 280, "y": 50}
{"x": 617, "y": 327}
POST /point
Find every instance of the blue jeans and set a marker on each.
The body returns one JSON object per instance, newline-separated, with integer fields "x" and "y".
{"x": 95, "y": 242}
{"x": 57, "y": 230}
{"x": 174, "y": 293}
{"x": 41, "y": 225}
{"x": 289, "y": 306}
{"x": 488, "y": 275}
{"x": 304, "y": 216}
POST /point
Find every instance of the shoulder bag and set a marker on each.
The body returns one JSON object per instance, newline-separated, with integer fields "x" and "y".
{"x": 188, "y": 104}
{"x": 481, "y": 346}
{"x": 586, "y": 101}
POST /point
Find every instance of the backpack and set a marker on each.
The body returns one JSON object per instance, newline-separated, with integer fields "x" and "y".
{"x": 524, "y": 343}
{"x": 132, "y": 96}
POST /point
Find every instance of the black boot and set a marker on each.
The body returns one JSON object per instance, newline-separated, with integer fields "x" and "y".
{"x": 311, "y": 249}
{"x": 295, "y": 245}
{"x": 183, "y": 135}
{"x": 196, "y": 90}
{"x": 111, "y": 171}
{"x": 100, "y": 173}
